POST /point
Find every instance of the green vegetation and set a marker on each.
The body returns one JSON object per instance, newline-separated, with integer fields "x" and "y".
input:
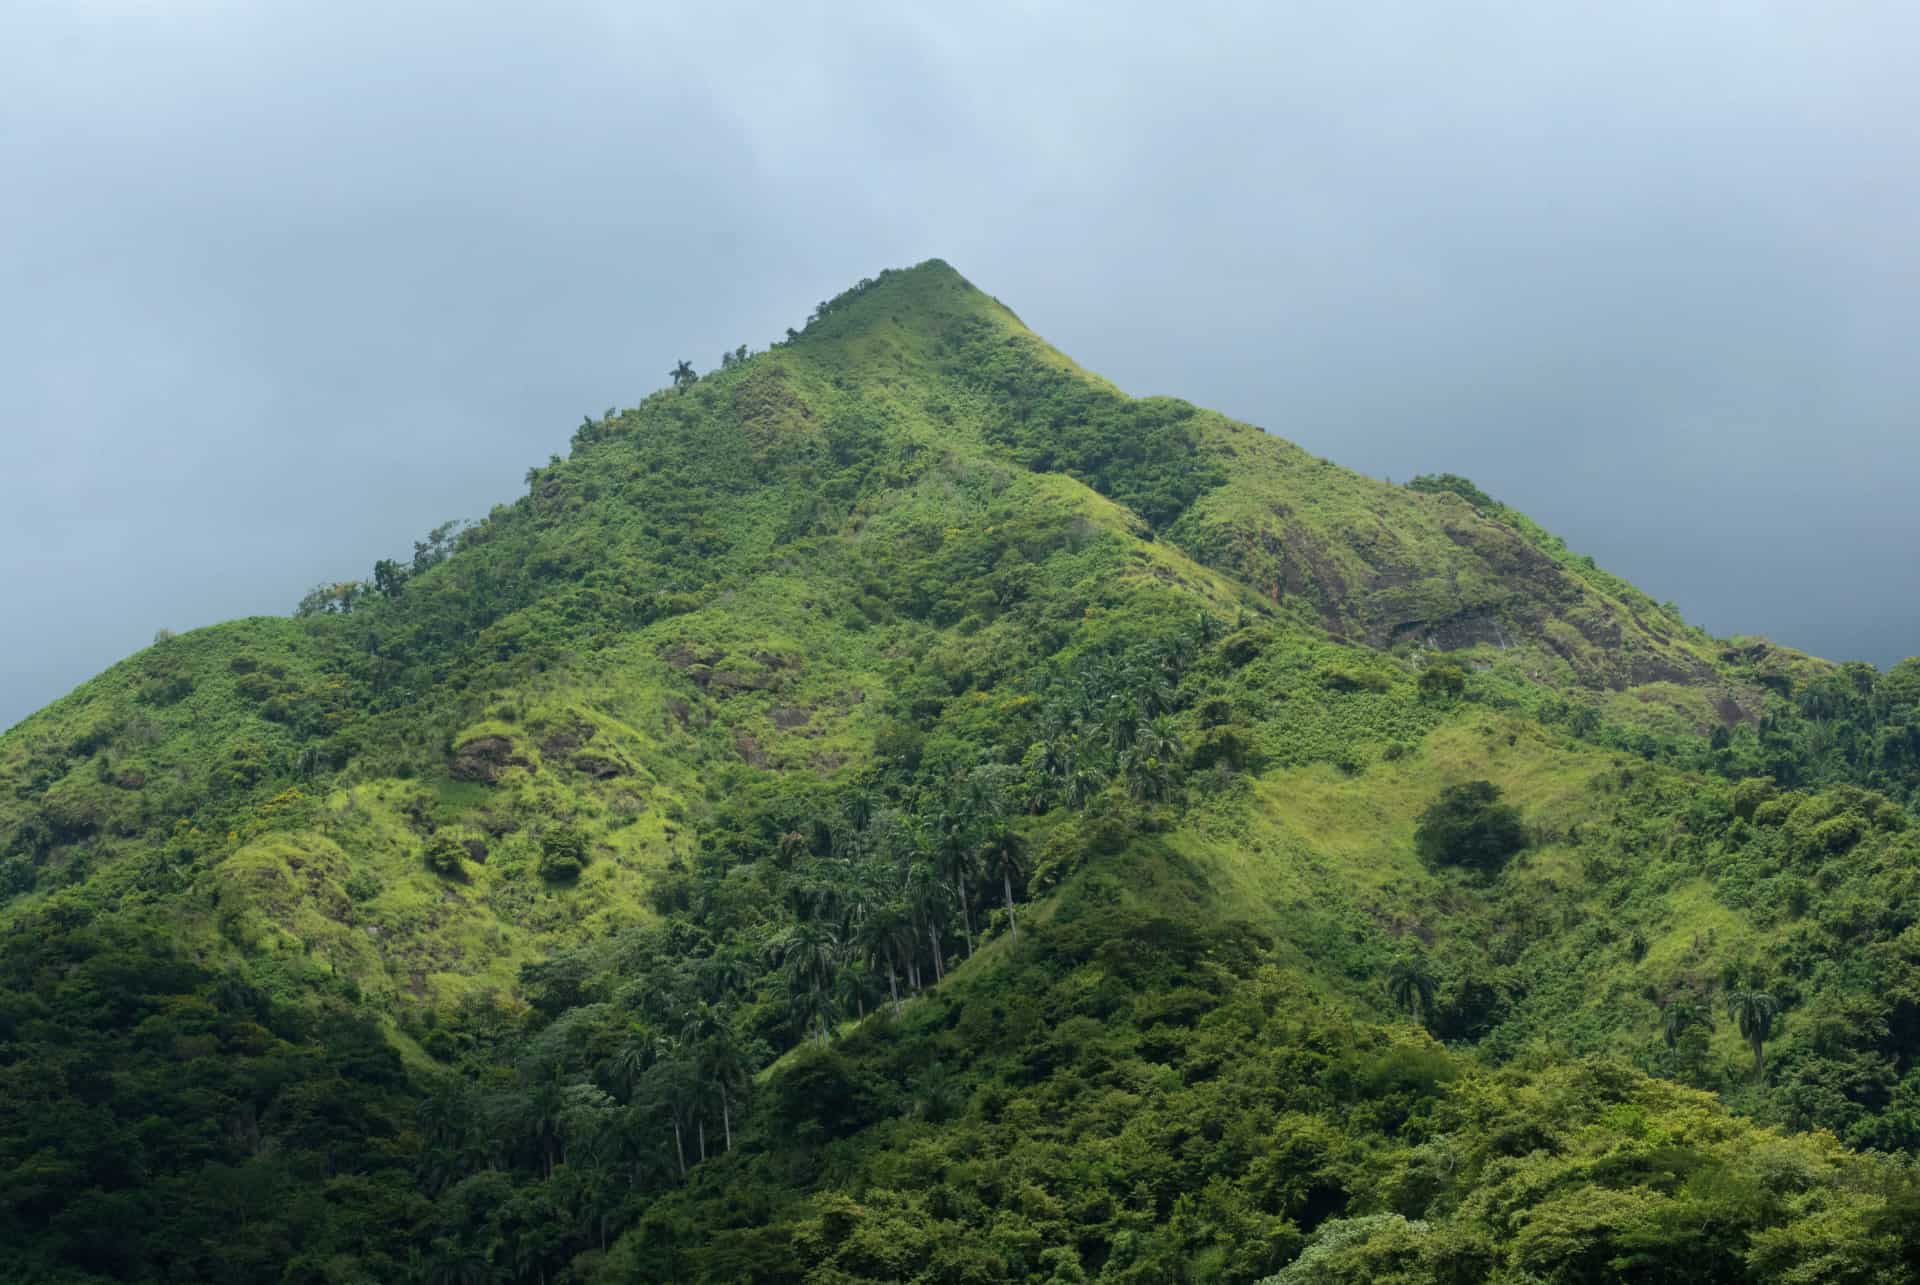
{"x": 895, "y": 808}
{"x": 1469, "y": 826}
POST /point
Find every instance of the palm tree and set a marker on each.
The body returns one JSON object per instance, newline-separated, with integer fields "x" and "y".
{"x": 450, "y": 1261}
{"x": 683, "y": 375}
{"x": 707, "y": 1035}
{"x": 1753, "y": 1012}
{"x": 1684, "y": 1015}
{"x": 542, "y": 1109}
{"x": 726, "y": 1069}
{"x": 807, "y": 954}
{"x": 883, "y": 937}
{"x": 630, "y": 1060}
{"x": 1085, "y": 782}
{"x": 1007, "y": 857}
{"x": 671, "y": 1087}
{"x": 723, "y": 975}
{"x": 1054, "y": 768}
{"x": 955, "y": 851}
{"x": 927, "y": 900}
{"x": 1148, "y": 777}
{"x": 1412, "y": 985}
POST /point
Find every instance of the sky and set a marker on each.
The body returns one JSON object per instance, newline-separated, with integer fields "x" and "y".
{"x": 284, "y": 285}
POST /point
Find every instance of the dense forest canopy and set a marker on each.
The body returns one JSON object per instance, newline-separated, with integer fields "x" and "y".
{"x": 893, "y": 807}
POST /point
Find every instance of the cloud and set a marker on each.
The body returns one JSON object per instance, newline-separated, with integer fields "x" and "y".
{"x": 281, "y": 286}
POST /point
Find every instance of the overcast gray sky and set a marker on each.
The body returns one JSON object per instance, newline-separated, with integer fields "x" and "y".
{"x": 282, "y": 285}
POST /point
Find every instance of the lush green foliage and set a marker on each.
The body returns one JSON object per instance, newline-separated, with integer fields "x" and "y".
{"x": 1469, "y": 826}
{"x": 895, "y": 808}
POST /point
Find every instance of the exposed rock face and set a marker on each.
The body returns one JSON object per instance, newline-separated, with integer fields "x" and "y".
{"x": 483, "y": 759}
{"x": 597, "y": 766}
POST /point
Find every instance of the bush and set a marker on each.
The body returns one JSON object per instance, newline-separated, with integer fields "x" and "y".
{"x": 444, "y": 854}
{"x": 563, "y": 854}
{"x": 1242, "y": 648}
{"x": 1342, "y": 679}
{"x": 1750, "y": 793}
{"x": 1442, "y": 680}
{"x": 1469, "y": 826}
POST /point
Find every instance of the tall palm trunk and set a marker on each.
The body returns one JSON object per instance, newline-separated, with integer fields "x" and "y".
{"x": 726, "y": 1119}
{"x": 893, "y": 985}
{"x": 966, "y": 916}
{"x": 1006, "y": 886}
{"x": 939, "y": 965}
{"x": 701, "y": 1133}
{"x": 679, "y": 1150}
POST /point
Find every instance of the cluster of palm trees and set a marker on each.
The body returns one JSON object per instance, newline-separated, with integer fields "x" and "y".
{"x": 1411, "y": 982}
{"x": 1110, "y": 719}
{"x": 676, "y": 1071}
{"x": 898, "y": 893}
{"x": 1751, "y": 1010}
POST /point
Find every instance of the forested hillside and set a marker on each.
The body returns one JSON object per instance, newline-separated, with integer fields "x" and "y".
{"x": 895, "y": 808}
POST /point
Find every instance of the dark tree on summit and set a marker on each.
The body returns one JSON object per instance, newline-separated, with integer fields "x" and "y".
{"x": 683, "y": 375}
{"x": 389, "y": 577}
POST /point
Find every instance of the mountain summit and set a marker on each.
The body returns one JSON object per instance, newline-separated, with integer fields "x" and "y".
{"x": 894, "y": 807}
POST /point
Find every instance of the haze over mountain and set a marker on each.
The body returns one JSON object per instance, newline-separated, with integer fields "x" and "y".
{"x": 279, "y": 284}
{"x": 896, "y": 808}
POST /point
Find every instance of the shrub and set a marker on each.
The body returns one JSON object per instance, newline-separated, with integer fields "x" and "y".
{"x": 1469, "y": 826}
{"x": 444, "y": 854}
{"x": 1341, "y": 679}
{"x": 1442, "y": 680}
{"x": 1242, "y": 648}
{"x": 563, "y": 853}
{"x": 1837, "y": 834}
{"x": 1750, "y": 793}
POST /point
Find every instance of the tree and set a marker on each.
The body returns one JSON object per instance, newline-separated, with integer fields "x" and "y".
{"x": 542, "y": 1108}
{"x": 630, "y": 1060}
{"x": 1753, "y": 1012}
{"x": 1412, "y": 984}
{"x": 445, "y": 855}
{"x": 884, "y": 936}
{"x": 807, "y": 954}
{"x": 563, "y": 853}
{"x": 1684, "y": 1015}
{"x": 1442, "y": 680}
{"x": 1007, "y": 857}
{"x": 389, "y": 577}
{"x": 955, "y": 851}
{"x": 672, "y": 1088}
{"x": 927, "y": 902}
{"x": 723, "y": 1066}
{"x": 1469, "y": 826}
{"x": 683, "y": 376}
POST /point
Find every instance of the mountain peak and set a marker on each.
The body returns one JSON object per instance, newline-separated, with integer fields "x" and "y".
{"x": 928, "y": 294}
{"x": 909, "y": 690}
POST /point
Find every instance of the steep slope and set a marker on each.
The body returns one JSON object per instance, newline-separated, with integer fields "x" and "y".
{"x": 453, "y": 917}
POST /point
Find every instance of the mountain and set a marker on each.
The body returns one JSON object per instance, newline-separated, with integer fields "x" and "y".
{"x": 895, "y": 807}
